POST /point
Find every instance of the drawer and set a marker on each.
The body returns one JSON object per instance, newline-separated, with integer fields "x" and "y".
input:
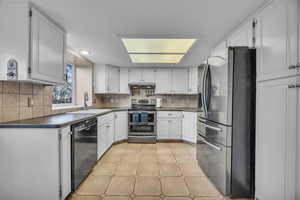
{"x": 105, "y": 118}
{"x": 169, "y": 114}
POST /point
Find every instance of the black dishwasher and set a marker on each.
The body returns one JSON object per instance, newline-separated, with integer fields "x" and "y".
{"x": 84, "y": 150}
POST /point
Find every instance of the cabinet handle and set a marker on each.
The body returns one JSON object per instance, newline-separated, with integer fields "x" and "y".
{"x": 293, "y": 85}
{"x": 291, "y": 67}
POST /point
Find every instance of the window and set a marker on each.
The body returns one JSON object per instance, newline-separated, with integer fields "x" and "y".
{"x": 64, "y": 95}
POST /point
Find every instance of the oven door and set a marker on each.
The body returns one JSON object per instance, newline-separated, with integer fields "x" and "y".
{"x": 142, "y": 116}
{"x": 215, "y": 159}
{"x": 141, "y": 129}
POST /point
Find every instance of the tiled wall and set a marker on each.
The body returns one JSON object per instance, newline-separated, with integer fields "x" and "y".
{"x": 14, "y": 101}
{"x": 115, "y": 100}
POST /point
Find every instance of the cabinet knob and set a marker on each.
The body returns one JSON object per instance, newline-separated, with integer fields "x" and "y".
{"x": 291, "y": 67}
{"x": 293, "y": 85}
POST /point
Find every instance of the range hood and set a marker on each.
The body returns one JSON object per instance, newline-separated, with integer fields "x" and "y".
{"x": 143, "y": 85}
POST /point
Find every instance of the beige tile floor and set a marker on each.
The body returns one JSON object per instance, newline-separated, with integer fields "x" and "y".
{"x": 162, "y": 171}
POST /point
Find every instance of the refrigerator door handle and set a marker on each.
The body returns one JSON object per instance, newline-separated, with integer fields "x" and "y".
{"x": 211, "y": 127}
{"x": 204, "y": 90}
{"x": 210, "y": 144}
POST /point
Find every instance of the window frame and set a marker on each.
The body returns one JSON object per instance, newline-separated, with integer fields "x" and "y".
{"x": 73, "y": 103}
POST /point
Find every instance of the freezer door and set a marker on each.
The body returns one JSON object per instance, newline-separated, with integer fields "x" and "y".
{"x": 215, "y": 161}
{"x": 214, "y": 132}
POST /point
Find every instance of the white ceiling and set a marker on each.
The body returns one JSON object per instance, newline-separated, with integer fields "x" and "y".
{"x": 97, "y": 25}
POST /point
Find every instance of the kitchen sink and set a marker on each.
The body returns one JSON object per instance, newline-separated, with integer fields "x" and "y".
{"x": 91, "y": 111}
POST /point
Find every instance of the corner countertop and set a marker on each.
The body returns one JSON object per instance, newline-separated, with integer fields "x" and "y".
{"x": 65, "y": 119}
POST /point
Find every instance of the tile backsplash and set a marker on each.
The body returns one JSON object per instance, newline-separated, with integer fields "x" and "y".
{"x": 24, "y": 100}
{"x": 169, "y": 101}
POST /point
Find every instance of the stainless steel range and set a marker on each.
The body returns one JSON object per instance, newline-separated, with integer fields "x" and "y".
{"x": 142, "y": 121}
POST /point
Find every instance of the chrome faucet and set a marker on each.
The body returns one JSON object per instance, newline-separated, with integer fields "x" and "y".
{"x": 86, "y": 98}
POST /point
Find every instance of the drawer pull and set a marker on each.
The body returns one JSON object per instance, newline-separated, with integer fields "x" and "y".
{"x": 211, "y": 127}
{"x": 292, "y": 85}
{"x": 291, "y": 67}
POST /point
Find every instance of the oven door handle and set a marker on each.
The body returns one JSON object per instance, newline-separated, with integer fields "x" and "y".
{"x": 211, "y": 127}
{"x": 210, "y": 144}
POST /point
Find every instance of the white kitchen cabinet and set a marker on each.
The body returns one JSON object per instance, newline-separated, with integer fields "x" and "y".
{"x": 175, "y": 127}
{"x": 111, "y": 133}
{"x": 121, "y": 126}
{"x": 124, "y": 88}
{"x": 33, "y": 41}
{"x": 162, "y": 129}
{"x": 135, "y": 75}
{"x": 35, "y": 163}
{"x": 169, "y": 125}
{"x": 66, "y": 161}
{"x": 189, "y": 127}
{"x": 193, "y": 80}
{"x": 179, "y": 81}
{"x": 102, "y": 141}
{"x": 148, "y": 75}
{"x": 106, "y": 79}
{"x": 276, "y": 140}
{"x": 113, "y": 81}
{"x": 243, "y": 36}
{"x": 163, "y": 81}
{"x": 141, "y": 75}
{"x": 277, "y": 40}
{"x": 106, "y": 133}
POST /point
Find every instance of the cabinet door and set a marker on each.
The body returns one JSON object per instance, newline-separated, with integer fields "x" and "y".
{"x": 113, "y": 80}
{"x": 242, "y": 36}
{"x": 47, "y": 49}
{"x": 148, "y": 75}
{"x": 175, "y": 129}
{"x": 298, "y": 144}
{"x": 121, "y": 126}
{"x": 189, "y": 127}
{"x": 102, "y": 139}
{"x": 179, "y": 81}
{"x": 277, "y": 40}
{"x": 135, "y": 75}
{"x": 65, "y": 161}
{"x": 111, "y": 133}
{"x": 163, "y": 129}
{"x": 276, "y": 140}
{"x": 163, "y": 81}
{"x": 193, "y": 80}
{"x": 124, "y": 89}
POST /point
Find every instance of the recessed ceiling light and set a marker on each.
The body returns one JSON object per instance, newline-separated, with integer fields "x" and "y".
{"x": 156, "y": 58}
{"x": 84, "y": 52}
{"x": 158, "y": 45}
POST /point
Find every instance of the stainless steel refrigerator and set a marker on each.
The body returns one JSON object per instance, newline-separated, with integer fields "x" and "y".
{"x": 226, "y": 121}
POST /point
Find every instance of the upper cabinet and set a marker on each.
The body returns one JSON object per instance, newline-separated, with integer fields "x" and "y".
{"x": 106, "y": 79}
{"x": 163, "y": 81}
{"x": 171, "y": 81}
{"x": 243, "y": 36}
{"x": 124, "y": 88}
{"x": 193, "y": 80}
{"x": 179, "y": 81}
{"x": 32, "y": 45}
{"x": 140, "y": 75}
{"x": 277, "y": 40}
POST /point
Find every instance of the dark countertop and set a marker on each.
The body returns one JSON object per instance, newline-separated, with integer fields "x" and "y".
{"x": 185, "y": 109}
{"x": 65, "y": 119}
{"x": 54, "y": 121}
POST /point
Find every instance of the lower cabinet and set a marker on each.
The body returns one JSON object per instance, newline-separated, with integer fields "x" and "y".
{"x": 35, "y": 163}
{"x": 277, "y": 148}
{"x": 169, "y": 125}
{"x": 189, "y": 127}
{"x": 106, "y": 133}
{"x": 121, "y": 126}
{"x": 177, "y": 125}
{"x": 105, "y": 137}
